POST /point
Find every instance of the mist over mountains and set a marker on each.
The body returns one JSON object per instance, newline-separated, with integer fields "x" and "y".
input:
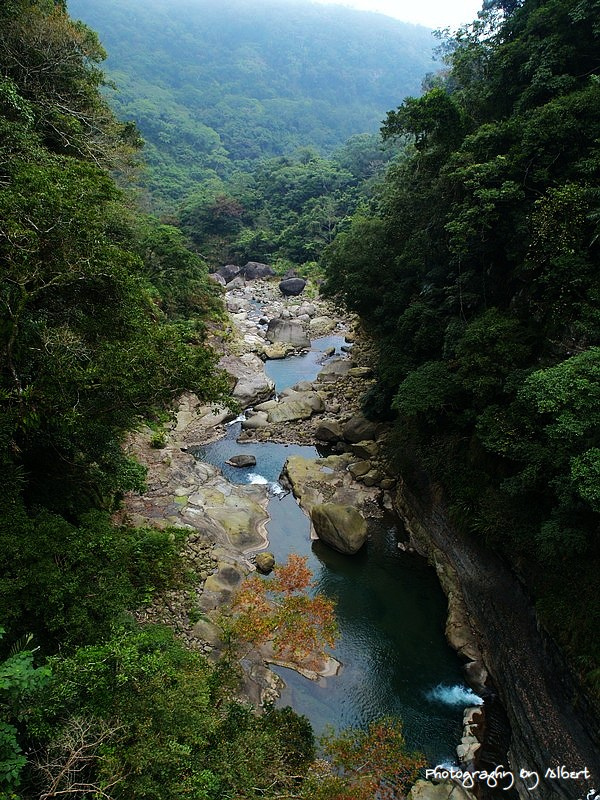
{"x": 210, "y": 84}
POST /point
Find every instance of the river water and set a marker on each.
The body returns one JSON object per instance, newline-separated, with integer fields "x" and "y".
{"x": 390, "y": 608}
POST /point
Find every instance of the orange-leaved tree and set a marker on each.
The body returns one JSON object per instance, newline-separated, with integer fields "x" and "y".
{"x": 365, "y": 764}
{"x": 281, "y": 611}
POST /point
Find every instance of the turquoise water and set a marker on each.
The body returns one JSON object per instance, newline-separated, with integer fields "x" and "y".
{"x": 391, "y": 614}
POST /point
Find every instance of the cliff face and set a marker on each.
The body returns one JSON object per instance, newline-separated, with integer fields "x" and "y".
{"x": 492, "y": 623}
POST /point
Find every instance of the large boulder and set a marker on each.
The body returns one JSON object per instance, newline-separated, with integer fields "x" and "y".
{"x": 278, "y": 350}
{"x": 252, "y": 385}
{"x": 329, "y": 430}
{"x": 256, "y": 421}
{"x": 292, "y": 286}
{"x": 359, "y": 429}
{"x": 248, "y": 390}
{"x": 364, "y": 450}
{"x": 265, "y": 562}
{"x": 289, "y": 411}
{"x": 322, "y": 325}
{"x": 335, "y": 369}
{"x": 287, "y": 330}
{"x": 341, "y": 527}
{"x": 242, "y": 460}
{"x": 229, "y": 272}
{"x": 361, "y": 372}
{"x": 237, "y": 283}
{"x": 311, "y": 398}
{"x": 254, "y": 269}
{"x": 308, "y": 309}
{"x": 359, "y": 468}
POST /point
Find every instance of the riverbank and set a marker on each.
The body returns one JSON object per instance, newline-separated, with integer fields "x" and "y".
{"x": 227, "y": 521}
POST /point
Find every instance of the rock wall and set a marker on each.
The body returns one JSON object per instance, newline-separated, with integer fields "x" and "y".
{"x": 492, "y": 622}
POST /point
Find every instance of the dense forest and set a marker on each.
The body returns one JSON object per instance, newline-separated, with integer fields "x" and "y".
{"x": 475, "y": 269}
{"x": 467, "y": 241}
{"x": 104, "y": 317}
{"x": 216, "y": 87}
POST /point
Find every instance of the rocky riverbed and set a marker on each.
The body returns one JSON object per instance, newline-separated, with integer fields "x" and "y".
{"x": 226, "y": 521}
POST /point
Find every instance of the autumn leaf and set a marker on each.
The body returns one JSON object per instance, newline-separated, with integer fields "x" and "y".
{"x": 280, "y": 610}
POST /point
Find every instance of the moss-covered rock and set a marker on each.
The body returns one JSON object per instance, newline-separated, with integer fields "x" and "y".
{"x": 341, "y": 527}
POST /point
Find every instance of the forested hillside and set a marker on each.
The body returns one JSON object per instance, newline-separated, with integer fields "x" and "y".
{"x": 104, "y": 314}
{"x": 102, "y": 321}
{"x": 214, "y": 87}
{"x": 476, "y": 270}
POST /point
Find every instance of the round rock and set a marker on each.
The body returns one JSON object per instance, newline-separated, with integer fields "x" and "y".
{"x": 292, "y": 286}
{"x": 339, "y": 526}
{"x": 264, "y": 562}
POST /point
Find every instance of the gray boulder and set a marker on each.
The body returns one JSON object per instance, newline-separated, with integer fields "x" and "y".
{"x": 254, "y": 269}
{"x": 237, "y": 283}
{"x": 334, "y": 369}
{"x": 309, "y": 397}
{"x": 329, "y": 430}
{"x": 365, "y": 450}
{"x": 258, "y": 420}
{"x": 250, "y": 383}
{"x": 264, "y": 562}
{"x": 229, "y": 272}
{"x": 372, "y": 477}
{"x": 287, "y": 330}
{"x": 359, "y": 468}
{"x": 243, "y": 460}
{"x": 306, "y": 308}
{"x": 360, "y": 372}
{"x": 248, "y": 390}
{"x": 322, "y": 325}
{"x": 359, "y": 429}
{"x": 292, "y": 286}
{"x": 290, "y": 410}
{"x": 341, "y": 527}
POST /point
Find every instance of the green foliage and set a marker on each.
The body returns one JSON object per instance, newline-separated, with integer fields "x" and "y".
{"x": 430, "y": 388}
{"x": 217, "y": 87}
{"x": 475, "y": 267}
{"x": 176, "y": 732}
{"x": 287, "y": 210}
{"x": 18, "y": 677}
{"x": 88, "y": 573}
{"x": 179, "y": 275}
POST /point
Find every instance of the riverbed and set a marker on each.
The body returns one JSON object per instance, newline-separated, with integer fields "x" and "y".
{"x": 390, "y": 608}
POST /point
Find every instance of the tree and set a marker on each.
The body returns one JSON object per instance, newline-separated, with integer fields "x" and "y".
{"x": 280, "y": 611}
{"x": 365, "y": 764}
{"x": 52, "y": 60}
{"x": 18, "y": 677}
{"x": 70, "y": 764}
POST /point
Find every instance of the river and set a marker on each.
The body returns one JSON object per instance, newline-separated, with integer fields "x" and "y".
{"x": 390, "y": 608}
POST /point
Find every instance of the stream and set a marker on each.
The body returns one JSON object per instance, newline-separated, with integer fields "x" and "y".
{"x": 390, "y": 608}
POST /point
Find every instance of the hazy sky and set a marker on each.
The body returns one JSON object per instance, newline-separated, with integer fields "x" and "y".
{"x": 433, "y": 13}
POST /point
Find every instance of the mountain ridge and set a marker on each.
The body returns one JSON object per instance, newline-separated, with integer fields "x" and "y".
{"x": 211, "y": 87}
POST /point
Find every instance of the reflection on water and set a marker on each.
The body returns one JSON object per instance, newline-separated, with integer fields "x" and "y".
{"x": 391, "y": 614}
